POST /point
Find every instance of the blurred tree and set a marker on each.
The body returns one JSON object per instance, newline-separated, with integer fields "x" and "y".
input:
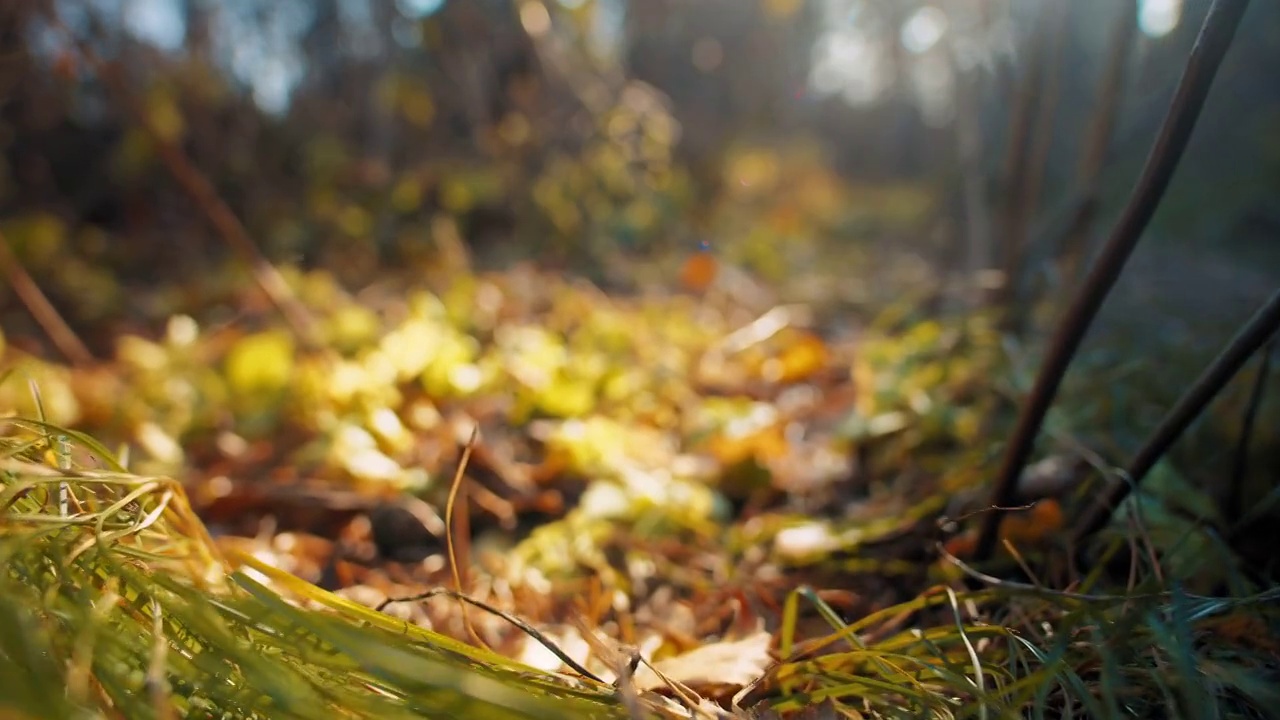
{"x": 360, "y": 132}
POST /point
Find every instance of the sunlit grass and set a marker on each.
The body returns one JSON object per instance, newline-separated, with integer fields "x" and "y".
{"x": 124, "y": 608}
{"x": 1019, "y": 652}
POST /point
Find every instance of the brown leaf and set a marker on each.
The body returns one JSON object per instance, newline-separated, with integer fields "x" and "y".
{"x": 734, "y": 663}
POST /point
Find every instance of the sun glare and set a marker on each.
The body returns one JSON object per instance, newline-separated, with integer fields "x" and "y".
{"x": 924, "y": 29}
{"x": 1158, "y": 18}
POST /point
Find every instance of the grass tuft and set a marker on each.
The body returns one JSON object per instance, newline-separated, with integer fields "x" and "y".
{"x": 124, "y": 607}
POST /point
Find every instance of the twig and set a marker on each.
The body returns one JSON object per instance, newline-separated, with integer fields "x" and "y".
{"x": 1211, "y": 46}
{"x": 1240, "y": 465}
{"x": 1255, "y": 333}
{"x": 528, "y": 629}
{"x": 450, "y": 546}
{"x": 204, "y": 196}
{"x": 1267, "y": 596}
{"x": 63, "y": 337}
{"x": 623, "y": 660}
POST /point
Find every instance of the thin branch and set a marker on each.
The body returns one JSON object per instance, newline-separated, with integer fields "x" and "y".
{"x": 1262, "y": 598}
{"x": 204, "y": 196}
{"x": 45, "y": 314}
{"x": 1206, "y": 57}
{"x": 461, "y": 572}
{"x": 527, "y": 628}
{"x": 1255, "y": 333}
{"x": 1240, "y": 464}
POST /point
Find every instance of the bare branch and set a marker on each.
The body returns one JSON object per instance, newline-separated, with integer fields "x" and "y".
{"x": 1211, "y": 46}
{"x": 1255, "y": 333}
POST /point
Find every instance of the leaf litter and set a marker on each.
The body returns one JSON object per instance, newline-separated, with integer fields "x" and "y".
{"x": 705, "y": 508}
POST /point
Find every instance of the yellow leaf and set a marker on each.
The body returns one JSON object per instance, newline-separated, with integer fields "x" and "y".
{"x": 260, "y": 364}
{"x": 565, "y": 397}
{"x": 352, "y": 327}
{"x": 801, "y": 359}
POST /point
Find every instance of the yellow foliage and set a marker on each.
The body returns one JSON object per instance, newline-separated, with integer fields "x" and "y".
{"x": 567, "y": 397}
{"x": 260, "y": 364}
{"x": 451, "y": 371}
{"x": 58, "y": 400}
{"x": 598, "y": 446}
{"x": 803, "y": 354}
{"x": 411, "y": 347}
{"x": 141, "y": 354}
{"x": 352, "y": 327}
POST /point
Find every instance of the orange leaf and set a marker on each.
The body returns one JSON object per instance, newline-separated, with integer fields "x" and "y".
{"x": 799, "y": 360}
{"x": 1023, "y": 527}
{"x": 699, "y": 272}
{"x": 1040, "y": 522}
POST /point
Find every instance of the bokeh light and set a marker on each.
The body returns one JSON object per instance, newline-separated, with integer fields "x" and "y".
{"x": 924, "y": 29}
{"x": 1158, "y": 18}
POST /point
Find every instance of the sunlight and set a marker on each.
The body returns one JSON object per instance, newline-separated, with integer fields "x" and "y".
{"x": 418, "y": 9}
{"x": 924, "y": 29}
{"x": 849, "y": 64}
{"x": 1158, "y": 18}
{"x": 159, "y": 22}
{"x": 847, "y": 60}
{"x": 378, "y": 358}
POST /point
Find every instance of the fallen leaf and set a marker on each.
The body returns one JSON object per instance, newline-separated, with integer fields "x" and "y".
{"x": 730, "y": 663}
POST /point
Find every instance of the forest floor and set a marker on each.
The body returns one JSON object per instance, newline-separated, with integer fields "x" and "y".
{"x": 776, "y": 519}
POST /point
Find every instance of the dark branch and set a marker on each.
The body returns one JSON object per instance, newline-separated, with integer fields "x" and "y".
{"x": 1211, "y": 46}
{"x": 1255, "y": 333}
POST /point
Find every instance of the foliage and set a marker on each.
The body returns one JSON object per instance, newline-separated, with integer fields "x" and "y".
{"x": 727, "y": 442}
{"x": 689, "y": 479}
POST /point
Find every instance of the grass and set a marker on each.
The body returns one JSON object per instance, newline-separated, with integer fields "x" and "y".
{"x": 123, "y": 607}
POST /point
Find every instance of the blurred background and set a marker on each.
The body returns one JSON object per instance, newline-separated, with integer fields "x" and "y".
{"x": 683, "y": 264}
{"x": 847, "y": 153}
